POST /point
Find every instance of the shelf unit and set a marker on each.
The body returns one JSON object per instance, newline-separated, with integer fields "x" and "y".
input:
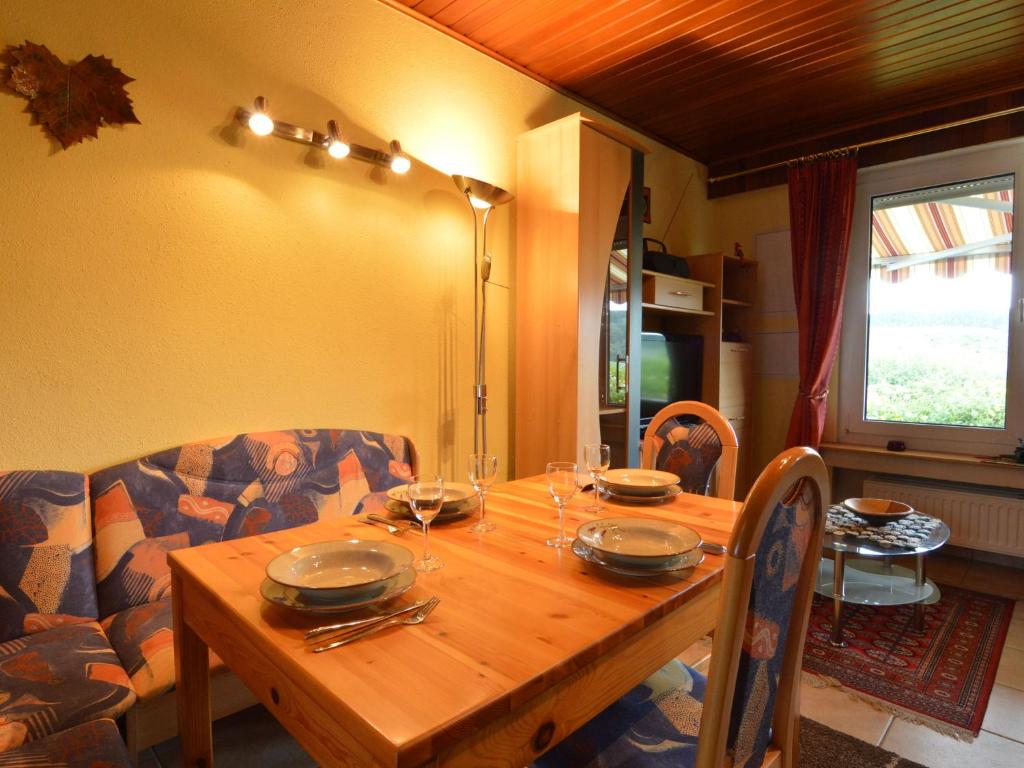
{"x": 727, "y": 325}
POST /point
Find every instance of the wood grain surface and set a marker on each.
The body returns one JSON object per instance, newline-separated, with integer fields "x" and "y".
{"x": 527, "y": 642}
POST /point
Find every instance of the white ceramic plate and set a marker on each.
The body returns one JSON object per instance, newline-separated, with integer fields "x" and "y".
{"x": 670, "y": 493}
{"x": 638, "y": 482}
{"x": 638, "y": 542}
{"x": 681, "y": 563}
{"x": 403, "y": 512}
{"x": 329, "y": 571}
{"x": 457, "y": 496}
{"x": 291, "y": 598}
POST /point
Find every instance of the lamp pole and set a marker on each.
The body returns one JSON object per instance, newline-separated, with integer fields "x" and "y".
{"x": 480, "y": 196}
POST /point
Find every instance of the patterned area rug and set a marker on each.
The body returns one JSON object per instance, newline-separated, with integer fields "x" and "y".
{"x": 941, "y": 677}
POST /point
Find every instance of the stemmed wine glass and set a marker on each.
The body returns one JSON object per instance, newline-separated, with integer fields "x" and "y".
{"x": 563, "y": 481}
{"x": 598, "y": 457}
{"x": 426, "y": 494}
{"x": 483, "y": 470}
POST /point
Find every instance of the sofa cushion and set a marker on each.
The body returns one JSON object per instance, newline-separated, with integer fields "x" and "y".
{"x": 96, "y": 744}
{"x": 226, "y": 488}
{"x": 143, "y": 638}
{"x": 53, "y": 680}
{"x": 46, "y": 558}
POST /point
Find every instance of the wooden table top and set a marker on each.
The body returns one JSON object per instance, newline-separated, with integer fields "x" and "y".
{"x": 515, "y": 616}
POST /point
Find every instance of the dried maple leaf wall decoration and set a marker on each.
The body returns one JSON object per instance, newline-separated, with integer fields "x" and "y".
{"x": 71, "y": 102}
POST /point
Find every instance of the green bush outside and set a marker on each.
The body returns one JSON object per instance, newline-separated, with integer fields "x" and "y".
{"x": 945, "y": 368}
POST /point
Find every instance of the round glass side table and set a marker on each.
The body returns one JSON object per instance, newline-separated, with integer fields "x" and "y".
{"x": 863, "y": 573}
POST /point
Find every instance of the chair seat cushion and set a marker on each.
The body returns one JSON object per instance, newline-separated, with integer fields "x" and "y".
{"x": 96, "y": 744}
{"x": 53, "y": 680}
{"x": 655, "y": 725}
{"x": 143, "y": 637}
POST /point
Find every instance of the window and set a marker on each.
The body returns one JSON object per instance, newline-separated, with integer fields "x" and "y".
{"x": 931, "y": 342}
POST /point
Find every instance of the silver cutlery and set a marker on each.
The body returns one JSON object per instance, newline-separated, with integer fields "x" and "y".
{"x": 360, "y": 623}
{"x": 405, "y": 525}
{"x": 392, "y": 529}
{"x": 416, "y": 618}
{"x": 713, "y": 549}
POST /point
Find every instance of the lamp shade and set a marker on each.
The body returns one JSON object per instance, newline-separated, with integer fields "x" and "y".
{"x": 482, "y": 191}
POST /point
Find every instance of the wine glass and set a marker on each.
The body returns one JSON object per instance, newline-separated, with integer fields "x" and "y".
{"x": 426, "y": 494}
{"x": 598, "y": 457}
{"x": 483, "y": 470}
{"x": 563, "y": 481}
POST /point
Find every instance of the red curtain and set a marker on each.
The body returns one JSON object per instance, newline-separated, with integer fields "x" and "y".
{"x": 821, "y": 197}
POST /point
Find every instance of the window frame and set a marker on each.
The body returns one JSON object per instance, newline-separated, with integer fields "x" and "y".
{"x": 934, "y": 170}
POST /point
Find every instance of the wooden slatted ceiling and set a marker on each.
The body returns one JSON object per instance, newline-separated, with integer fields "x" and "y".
{"x": 731, "y": 81}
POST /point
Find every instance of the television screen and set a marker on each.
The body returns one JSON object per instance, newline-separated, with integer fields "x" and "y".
{"x": 670, "y": 370}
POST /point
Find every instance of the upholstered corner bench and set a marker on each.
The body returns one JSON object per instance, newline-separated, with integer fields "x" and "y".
{"x": 85, "y": 609}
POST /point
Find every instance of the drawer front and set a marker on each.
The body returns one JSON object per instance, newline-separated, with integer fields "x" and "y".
{"x": 736, "y": 377}
{"x": 673, "y": 292}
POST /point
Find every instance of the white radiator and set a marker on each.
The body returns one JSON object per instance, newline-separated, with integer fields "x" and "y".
{"x": 979, "y": 518}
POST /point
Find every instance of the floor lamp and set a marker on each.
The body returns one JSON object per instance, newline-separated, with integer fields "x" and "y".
{"x": 481, "y": 196}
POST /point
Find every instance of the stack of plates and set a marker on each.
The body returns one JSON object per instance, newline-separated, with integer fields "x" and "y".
{"x": 459, "y": 499}
{"x": 638, "y": 547}
{"x": 640, "y": 486}
{"x": 337, "y": 576}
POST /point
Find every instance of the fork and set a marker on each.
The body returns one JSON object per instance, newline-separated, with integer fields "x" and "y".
{"x": 416, "y": 618}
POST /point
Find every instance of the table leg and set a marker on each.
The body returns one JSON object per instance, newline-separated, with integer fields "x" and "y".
{"x": 837, "y": 599}
{"x": 919, "y": 580}
{"x": 192, "y": 669}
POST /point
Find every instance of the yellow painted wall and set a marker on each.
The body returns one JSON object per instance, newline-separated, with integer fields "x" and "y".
{"x": 183, "y": 279}
{"x": 739, "y": 218}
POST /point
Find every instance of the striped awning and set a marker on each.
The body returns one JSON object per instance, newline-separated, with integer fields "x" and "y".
{"x": 945, "y": 231}
{"x": 618, "y": 275}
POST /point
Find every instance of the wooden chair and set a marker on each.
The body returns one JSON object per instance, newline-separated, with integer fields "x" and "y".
{"x": 748, "y": 708}
{"x": 693, "y": 449}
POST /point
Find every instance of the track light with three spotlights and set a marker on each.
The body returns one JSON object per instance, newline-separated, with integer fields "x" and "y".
{"x": 258, "y": 120}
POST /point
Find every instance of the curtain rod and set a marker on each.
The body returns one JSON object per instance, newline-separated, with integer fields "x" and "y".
{"x": 873, "y": 142}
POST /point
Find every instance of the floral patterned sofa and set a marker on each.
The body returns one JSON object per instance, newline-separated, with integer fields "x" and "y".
{"x": 85, "y": 610}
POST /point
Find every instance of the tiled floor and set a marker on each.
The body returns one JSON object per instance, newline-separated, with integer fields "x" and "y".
{"x": 1001, "y": 742}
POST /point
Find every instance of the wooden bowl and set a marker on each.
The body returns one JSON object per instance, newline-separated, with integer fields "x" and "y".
{"x": 878, "y": 511}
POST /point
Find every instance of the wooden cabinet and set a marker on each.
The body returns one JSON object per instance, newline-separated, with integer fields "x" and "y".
{"x": 675, "y": 292}
{"x": 572, "y": 177}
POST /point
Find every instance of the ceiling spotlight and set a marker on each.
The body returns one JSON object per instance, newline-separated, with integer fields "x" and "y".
{"x": 259, "y": 122}
{"x": 336, "y": 146}
{"x": 400, "y": 162}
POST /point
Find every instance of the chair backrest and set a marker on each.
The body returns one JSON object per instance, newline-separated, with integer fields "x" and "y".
{"x": 689, "y": 439}
{"x": 753, "y": 688}
{"x": 225, "y": 488}
{"x": 46, "y": 560}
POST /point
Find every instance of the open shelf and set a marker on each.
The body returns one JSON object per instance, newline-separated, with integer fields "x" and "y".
{"x": 660, "y": 309}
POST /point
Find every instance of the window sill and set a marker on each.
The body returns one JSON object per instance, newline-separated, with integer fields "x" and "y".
{"x": 954, "y": 467}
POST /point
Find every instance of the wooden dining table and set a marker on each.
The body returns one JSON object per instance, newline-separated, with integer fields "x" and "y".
{"x": 527, "y": 643}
